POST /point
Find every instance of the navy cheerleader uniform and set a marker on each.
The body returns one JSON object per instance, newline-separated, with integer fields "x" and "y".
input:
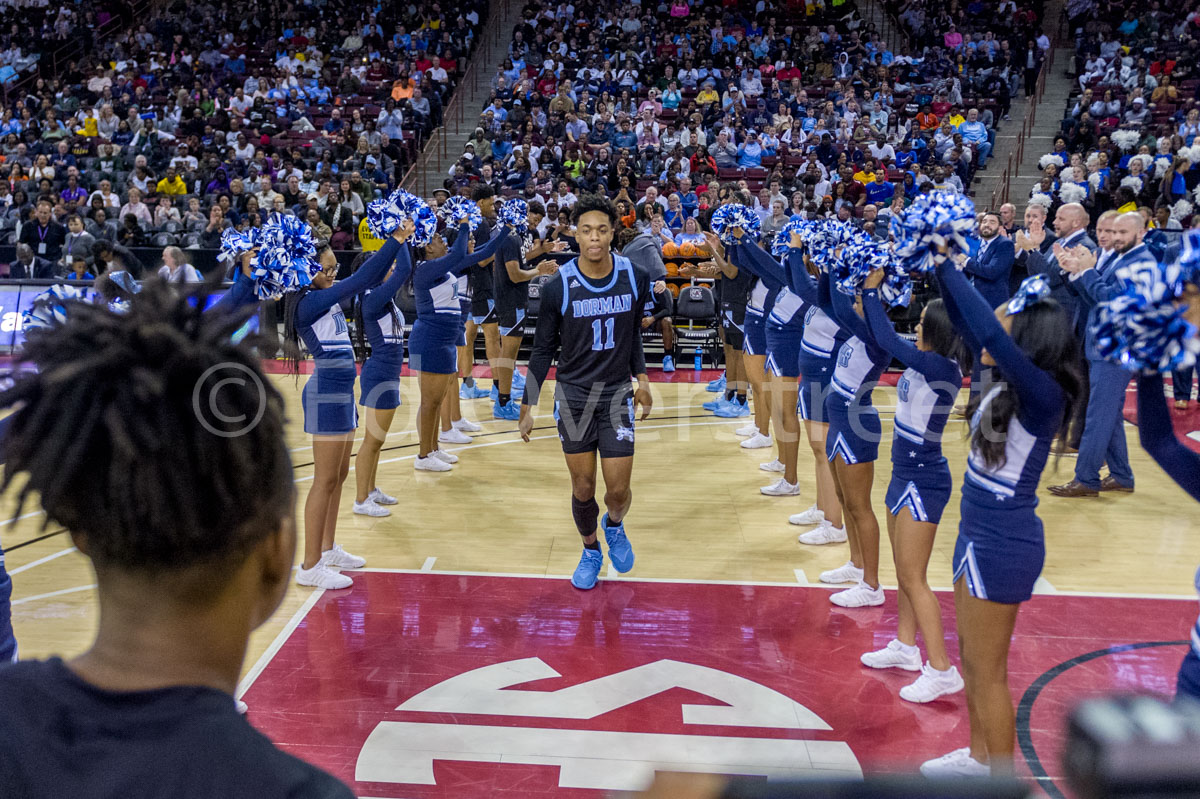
{"x": 383, "y": 327}
{"x": 1157, "y": 434}
{"x": 435, "y": 334}
{"x": 328, "y": 396}
{"x": 921, "y": 478}
{"x": 772, "y": 279}
{"x": 821, "y": 339}
{"x": 854, "y": 429}
{"x": 1000, "y": 548}
{"x": 240, "y": 294}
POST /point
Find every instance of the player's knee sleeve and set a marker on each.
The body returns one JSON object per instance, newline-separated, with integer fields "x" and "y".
{"x": 585, "y": 513}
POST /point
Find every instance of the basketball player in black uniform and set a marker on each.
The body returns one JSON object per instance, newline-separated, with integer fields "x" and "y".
{"x": 483, "y": 302}
{"x": 590, "y": 317}
{"x": 511, "y": 282}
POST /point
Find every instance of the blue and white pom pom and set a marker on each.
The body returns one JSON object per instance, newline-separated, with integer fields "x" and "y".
{"x": 515, "y": 214}
{"x": 937, "y": 220}
{"x": 1146, "y": 334}
{"x": 287, "y": 258}
{"x": 385, "y": 215}
{"x": 1187, "y": 268}
{"x": 1032, "y": 290}
{"x": 850, "y": 266}
{"x": 783, "y": 239}
{"x": 50, "y": 307}
{"x": 735, "y": 215}
{"x": 458, "y": 208}
{"x": 235, "y": 243}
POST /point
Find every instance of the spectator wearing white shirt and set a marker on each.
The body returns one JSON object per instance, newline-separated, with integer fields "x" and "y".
{"x": 136, "y": 207}
{"x": 111, "y": 199}
{"x": 177, "y": 270}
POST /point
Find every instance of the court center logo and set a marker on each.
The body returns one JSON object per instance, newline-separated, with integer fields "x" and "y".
{"x": 405, "y": 752}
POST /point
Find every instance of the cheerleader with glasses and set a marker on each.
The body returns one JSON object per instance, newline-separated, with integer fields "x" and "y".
{"x": 920, "y": 486}
{"x": 432, "y": 346}
{"x": 314, "y": 315}
{"x": 1000, "y": 548}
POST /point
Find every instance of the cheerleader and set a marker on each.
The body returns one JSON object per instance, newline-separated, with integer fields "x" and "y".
{"x": 314, "y": 315}
{"x": 455, "y": 426}
{"x": 432, "y": 346}
{"x": 820, "y": 339}
{"x": 920, "y": 486}
{"x": 1000, "y": 548}
{"x": 852, "y": 443}
{"x": 382, "y": 324}
{"x": 771, "y": 281}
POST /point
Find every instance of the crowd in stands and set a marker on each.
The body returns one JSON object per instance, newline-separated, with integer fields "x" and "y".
{"x": 666, "y": 106}
{"x": 218, "y": 114}
{"x": 1129, "y": 135}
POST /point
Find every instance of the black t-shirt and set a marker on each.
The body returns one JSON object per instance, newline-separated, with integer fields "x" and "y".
{"x": 62, "y": 737}
{"x": 479, "y": 278}
{"x": 735, "y": 290}
{"x": 509, "y": 294}
{"x": 594, "y": 327}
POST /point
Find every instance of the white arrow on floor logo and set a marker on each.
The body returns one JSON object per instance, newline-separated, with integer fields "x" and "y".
{"x": 404, "y": 752}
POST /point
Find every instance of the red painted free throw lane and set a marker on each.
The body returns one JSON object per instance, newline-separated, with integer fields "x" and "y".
{"x": 359, "y": 654}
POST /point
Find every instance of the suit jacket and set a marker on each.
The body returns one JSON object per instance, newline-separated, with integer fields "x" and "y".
{"x": 990, "y": 271}
{"x": 40, "y": 269}
{"x": 1106, "y": 281}
{"x": 1021, "y": 268}
{"x": 1047, "y": 264}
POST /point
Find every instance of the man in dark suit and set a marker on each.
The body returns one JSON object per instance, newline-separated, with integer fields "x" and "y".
{"x": 1096, "y": 276}
{"x": 1070, "y": 225}
{"x": 1033, "y": 236}
{"x": 29, "y": 265}
{"x": 989, "y": 271}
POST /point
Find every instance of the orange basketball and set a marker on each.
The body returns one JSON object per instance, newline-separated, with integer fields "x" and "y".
{"x": 702, "y": 250}
{"x": 687, "y": 249}
{"x": 673, "y": 288}
{"x": 670, "y": 250}
{"x": 672, "y": 268}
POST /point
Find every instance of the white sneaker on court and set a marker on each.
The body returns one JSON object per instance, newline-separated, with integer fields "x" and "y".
{"x": 958, "y": 763}
{"x": 444, "y": 456}
{"x": 380, "y": 498}
{"x": 772, "y": 466}
{"x": 430, "y": 463}
{"x": 466, "y": 425}
{"x": 893, "y": 656}
{"x": 241, "y": 706}
{"x": 321, "y": 576}
{"x": 756, "y": 441}
{"x": 370, "y": 508}
{"x": 746, "y": 430}
{"x": 849, "y": 573}
{"x": 860, "y": 596}
{"x": 781, "y": 488}
{"x": 808, "y": 518}
{"x": 825, "y": 533}
{"x": 337, "y": 557}
{"x": 454, "y": 436}
{"x": 932, "y": 684}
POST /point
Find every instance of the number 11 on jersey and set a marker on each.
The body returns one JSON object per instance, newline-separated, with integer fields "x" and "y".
{"x": 599, "y": 341}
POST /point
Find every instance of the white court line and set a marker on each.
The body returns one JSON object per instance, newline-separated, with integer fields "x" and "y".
{"x": 801, "y": 577}
{"x": 60, "y": 592}
{"x": 427, "y": 566}
{"x": 278, "y": 643}
{"x": 1194, "y": 435}
{"x": 1043, "y": 586}
{"x": 40, "y": 561}
{"x": 22, "y": 516}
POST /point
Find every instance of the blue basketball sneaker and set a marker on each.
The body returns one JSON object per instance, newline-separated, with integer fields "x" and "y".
{"x": 509, "y": 412}
{"x": 494, "y": 394}
{"x": 732, "y": 409}
{"x": 716, "y": 385}
{"x": 668, "y": 364}
{"x": 471, "y": 392}
{"x": 518, "y": 381}
{"x": 588, "y": 571}
{"x": 620, "y": 551}
{"x": 713, "y": 404}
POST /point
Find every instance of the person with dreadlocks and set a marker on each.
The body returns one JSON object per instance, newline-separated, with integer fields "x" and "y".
{"x": 195, "y": 510}
{"x": 382, "y": 324}
{"x": 432, "y": 348}
{"x": 314, "y": 315}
